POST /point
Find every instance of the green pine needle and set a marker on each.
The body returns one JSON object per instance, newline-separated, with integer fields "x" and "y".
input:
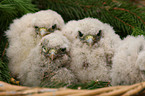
{"x": 11, "y": 9}
{"x": 4, "y": 72}
{"x": 121, "y": 14}
{"x": 88, "y": 85}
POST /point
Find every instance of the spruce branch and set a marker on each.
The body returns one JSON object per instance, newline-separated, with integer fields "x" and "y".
{"x": 120, "y": 14}
{"x": 11, "y": 9}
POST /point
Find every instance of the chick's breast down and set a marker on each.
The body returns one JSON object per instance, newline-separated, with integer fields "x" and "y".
{"x": 128, "y": 62}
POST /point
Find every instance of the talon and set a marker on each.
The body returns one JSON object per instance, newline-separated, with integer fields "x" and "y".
{"x": 12, "y": 80}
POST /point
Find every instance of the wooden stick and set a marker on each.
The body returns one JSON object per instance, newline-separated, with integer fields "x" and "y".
{"x": 13, "y": 90}
{"x": 4, "y": 50}
{"x": 135, "y": 91}
{"x": 97, "y": 91}
{"x": 10, "y": 93}
{"x": 37, "y": 90}
{"x": 120, "y": 91}
{"x": 60, "y": 93}
{"x": 8, "y": 87}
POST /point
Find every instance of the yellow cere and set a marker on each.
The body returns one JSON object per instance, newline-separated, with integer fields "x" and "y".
{"x": 40, "y": 29}
{"x": 43, "y": 31}
{"x": 52, "y": 50}
{"x": 88, "y": 37}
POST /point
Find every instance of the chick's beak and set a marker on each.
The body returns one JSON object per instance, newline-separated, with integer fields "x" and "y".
{"x": 43, "y": 32}
{"x": 90, "y": 41}
{"x": 52, "y": 54}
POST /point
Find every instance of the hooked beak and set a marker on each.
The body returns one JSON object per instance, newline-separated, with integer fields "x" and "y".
{"x": 90, "y": 42}
{"x": 43, "y": 31}
{"x": 52, "y": 54}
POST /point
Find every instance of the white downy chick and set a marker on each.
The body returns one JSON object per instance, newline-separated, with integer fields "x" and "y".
{"x": 25, "y": 33}
{"x": 128, "y": 62}
{"x": 93, "y": 45}
{"x": 50, "y": 58}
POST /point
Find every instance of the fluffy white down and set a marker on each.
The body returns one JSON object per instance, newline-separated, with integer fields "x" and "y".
{"x": 91, "y": 63}
{"x": 34, "y": 66}
{"x": 22, "y": 36}
{"x": 128, "y": 62}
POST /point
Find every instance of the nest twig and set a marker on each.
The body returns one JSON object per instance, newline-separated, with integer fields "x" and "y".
{"x": 128, "y": 90}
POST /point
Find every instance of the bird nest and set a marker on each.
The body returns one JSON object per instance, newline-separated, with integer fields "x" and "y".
{"x": 127, "y": 90}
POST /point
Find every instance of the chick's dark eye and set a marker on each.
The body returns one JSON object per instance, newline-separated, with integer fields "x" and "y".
{"x": 36, "y": 26}
{"x": 100, "y": 32}
{"x": 80, "y": 34}
{"x": 54, "y": 26}
{"x": 63, "y": 49}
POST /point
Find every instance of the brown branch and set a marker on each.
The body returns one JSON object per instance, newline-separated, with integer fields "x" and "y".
{"x": 115, "y": 8}
{"x": 4, "y": 50}
{"x": 123, "y": 22}
{"x": 135, "y": 90}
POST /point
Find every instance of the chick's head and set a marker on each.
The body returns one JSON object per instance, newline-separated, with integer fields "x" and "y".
{"x": 55, "y": 47}
{"x": 46, "y": 22}
{"x": 89, "y": 31}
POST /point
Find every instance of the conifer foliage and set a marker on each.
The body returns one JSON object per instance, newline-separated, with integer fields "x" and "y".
{"x": 11, "y": 9}
{"x": 122, "y": 15}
